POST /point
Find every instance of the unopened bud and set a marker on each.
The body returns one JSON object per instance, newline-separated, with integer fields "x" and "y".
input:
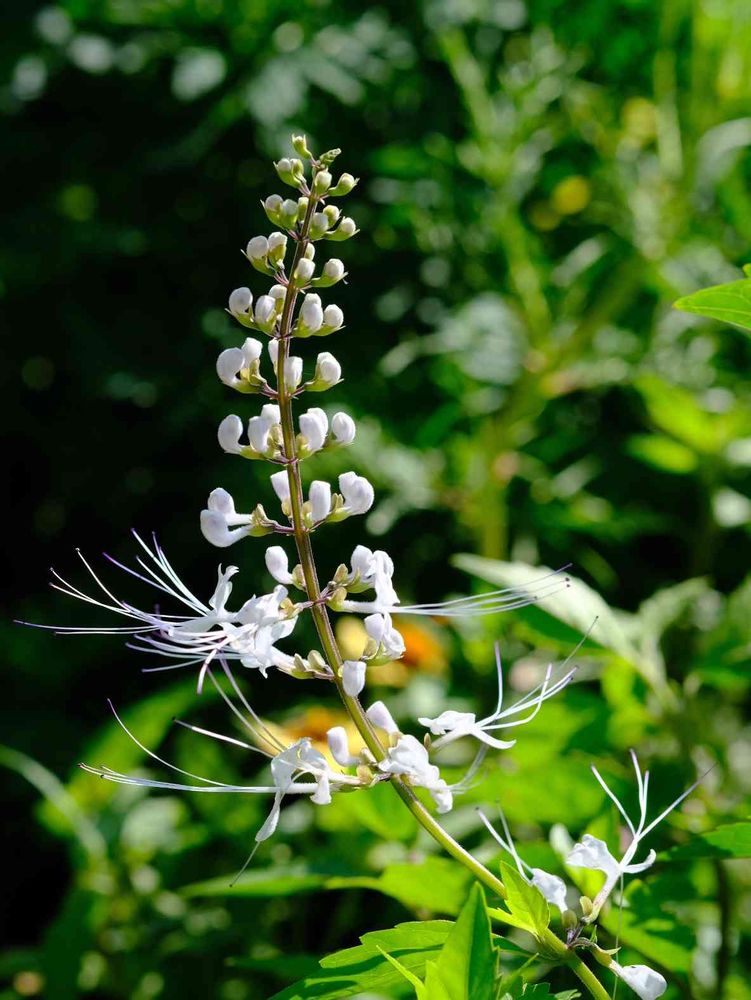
{"x": 328, "y": 372}
{"x": 300, "y": 145}
{"x": 290, "y": 171}
{"x": 277, "y": 247}
{"x": 319, "y": 226}
{"x": 288, "y": 214}
{"x": 332, "y": 213}
{"x": 321, "y": 182}
{"x": 317, "y": 662}
{"x": 344, "y": 231}
{"x": 343, "y": 186}
{"x": 304, "y": 272}
{"x": 302, "y": 208}
{"x": 586, "y": 905}
{"x": 333, "y": 271}
{"x": 339, "y": 595}
{"x": 272, "y": 206}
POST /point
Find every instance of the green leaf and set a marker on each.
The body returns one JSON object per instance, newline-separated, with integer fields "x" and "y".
{"x": 663, "y": 453}
{"x": 730, "y": 303}
{"x": 730, "y": 841}
{"x": 468, "y": 961}
{"x": 576, "y": 607}
{"x": 525, "y": 901}
{"x": 435, "y": 884}
{"x": 678, "y": 413}
{"x": 419, "y": 987}
{"x": 364, "y": 968}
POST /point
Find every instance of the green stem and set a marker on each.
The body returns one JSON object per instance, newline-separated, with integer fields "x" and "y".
{"x": 549, "y": 941}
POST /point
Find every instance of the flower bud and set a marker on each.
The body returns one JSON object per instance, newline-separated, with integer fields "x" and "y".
{"x": 343, "y": 186}
{"x": 319, "y": 226}
{"x": 321, "y": 182}
{"x": 310, "y": 317}
{"x": 273, "y": 347}
{"x": 328, "y": 372}
{"x": 333, "y": 319}
{"x": 300, "y": 145}
{"x": 302, "y": 208}
{"x": 265, "y": 313}
{"x": 292, "y": 373}
{"x": 290, "y": 171}
{"x": 332, "y": 213}
{"x": 229, "y": 434}
{"x": 343, "y": 428}
{"x": 380, "y": 716}
{"x": 288, "y": 213}
{"x": 277, "y": 564}
{"x": 339, "y": 747}
{"x": 239, "y": 305}
{"x": 304, "y": 272}
{"x": 310, "y": 251}
{"x": 257, "y": 248}
{"x": 277, "y": 243}
{"x": 353, "y": 677}
{"x": 358, "y": 494}
{"x": 319, "y": 495}
{"x": 243, "y": 361}
{"x": 272, "y": 207}
{"x": 344, "y": 231}
{"x": 314, "y": 426}
{"x": 333, "y": 271}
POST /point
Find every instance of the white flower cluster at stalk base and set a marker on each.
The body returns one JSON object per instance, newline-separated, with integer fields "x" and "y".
{"x": 215, "y": 640}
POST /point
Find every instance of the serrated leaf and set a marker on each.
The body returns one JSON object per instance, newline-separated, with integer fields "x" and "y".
{"x": 525, "y": 901}
{"x": 729, "y": 303}
{"x": 467, "y": 962}
{"x": 730, "y": 841}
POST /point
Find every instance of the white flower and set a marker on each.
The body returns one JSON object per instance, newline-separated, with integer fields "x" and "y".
{"x": 277, "y": 563}
{"x": 210, "y": 630}
{"x": 333, "y": 318}
{"x": 645, "y": 982}
{"x": 552, "y": 887}
{"x": 314, "y": 426}
{"x": 231, "y": 362}
{"x": 328, "y": 370}
{"x": 388, "y": 640}
{"x": 333, "y": 270}
{"x": 257, "y": 248}
{"x": 304, "y": 272}
{"x": 409, "y": 758}
{"x": 280, "y": 483}
{"x": 292, "y": 372}
{"x": 380, "y": 716}
{"x": 260, "y": 428}
{"x": 593, "y": 853}
{"x": 319, "y": 496}
{"x": 336, "y": 738}
{"x": 265, "y": 313}
{"x": 451, "y": 725}
{"x": 229, "y": 434}
{"x": 353, "y": 677}
{"x": 277, "y": 247}
{"x": 240, "y": 303}
{"x": 372, "y": 571}
{"x": 221, "y": 525}
{"x": 288, "y": 765}
{"x": 357, "y": 492}
{"x": 311, "y": 314}
{"x": 343, "y": 428}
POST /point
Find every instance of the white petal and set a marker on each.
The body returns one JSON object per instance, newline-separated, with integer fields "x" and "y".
{"x": 277, "y": 563}
{"x": 228, "y": 434}
{"x": 339, "y": 747}
{"x": 314, "y": 425}
{"x": 593, "y": 853}
{"x": 293, "y": 373}
{"x": 328, "y": 368}
{"x": 214, "y": 529}
{"x": 552, "y": 887}
{"x": 280, "y": 483}
{"x": 333, "y": 317}
{"x": 257, "y": 248}
{"x": 343, "y": 428}
{"x": 311, "y": 313}
{"x": 240, "y": 301}
{"x": 357, "y": 492}
{"x": 320, "y": 499}
{"x": 353, "y": 677}
{"x": 645, "y": 982}
{"x": 228, "y": 364}
{"x": 380, "y": 716}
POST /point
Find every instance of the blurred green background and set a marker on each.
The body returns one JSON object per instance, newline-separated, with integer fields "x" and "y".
{"x": 539, "y": 181}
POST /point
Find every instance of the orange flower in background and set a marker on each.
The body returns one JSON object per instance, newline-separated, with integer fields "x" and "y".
{"x": 425, "y": 652}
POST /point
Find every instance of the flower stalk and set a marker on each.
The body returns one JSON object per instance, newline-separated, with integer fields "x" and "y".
{"x": 548, "y": 940}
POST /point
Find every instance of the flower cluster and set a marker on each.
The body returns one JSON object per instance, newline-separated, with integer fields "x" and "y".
{"x": 219, "y": 643}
